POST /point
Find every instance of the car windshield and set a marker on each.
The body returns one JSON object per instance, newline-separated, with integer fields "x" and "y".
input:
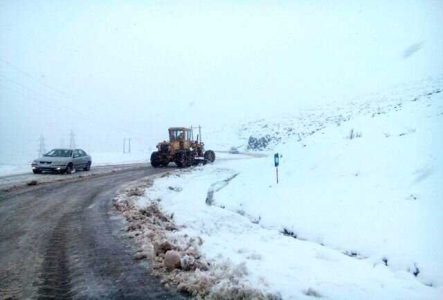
{"x": 59, "y": 153}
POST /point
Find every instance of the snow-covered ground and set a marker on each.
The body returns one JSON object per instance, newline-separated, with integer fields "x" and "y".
{"x": 98, "y": 159}
{"x": 358, "y": 212}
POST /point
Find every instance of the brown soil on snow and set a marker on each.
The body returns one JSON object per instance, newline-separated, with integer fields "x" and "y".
{"x": 175, "y": 257}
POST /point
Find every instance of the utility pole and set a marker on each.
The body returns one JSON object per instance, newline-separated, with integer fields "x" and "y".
{"x": 124, "y": 145}
{"x": 71, "y": 140}
{"x": 41, "y": 146}
{"x": 129, "y": 146}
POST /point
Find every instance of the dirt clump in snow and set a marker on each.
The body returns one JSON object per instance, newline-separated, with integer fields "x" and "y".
{"x": 172, "y": 260}
{"x": 140, "y": 255}
{"x": 175, "y": 257}
{"x": 162, "y": 248}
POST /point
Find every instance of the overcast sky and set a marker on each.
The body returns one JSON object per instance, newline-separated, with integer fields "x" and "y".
{"x": 109, "y": 69}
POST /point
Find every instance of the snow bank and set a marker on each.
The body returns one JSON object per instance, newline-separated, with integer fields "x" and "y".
{"x": 377, "y": 196}
{"x": 176, "y": 257}
{"x": 14, "y": 169}
{"x": 358, "y": 212}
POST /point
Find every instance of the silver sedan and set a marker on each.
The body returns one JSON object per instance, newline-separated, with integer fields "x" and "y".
{"x": 62, "y": 161}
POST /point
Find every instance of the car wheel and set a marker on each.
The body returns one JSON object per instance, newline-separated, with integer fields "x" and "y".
{"x": 36, "y": 171}
{"x": 70, "y": 169}
{"x": 88, "y": 166}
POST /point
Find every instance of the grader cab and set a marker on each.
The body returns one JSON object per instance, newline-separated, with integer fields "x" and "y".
{"x": 183, "y": 149}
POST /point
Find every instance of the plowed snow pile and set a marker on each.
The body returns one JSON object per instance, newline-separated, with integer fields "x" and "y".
{"x": 358, "y": 212}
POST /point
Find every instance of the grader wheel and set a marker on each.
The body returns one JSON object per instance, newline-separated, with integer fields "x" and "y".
{"x": 181, "y": 160}
{"x": 155, "y": 159}
{"x": 209, "y": 156}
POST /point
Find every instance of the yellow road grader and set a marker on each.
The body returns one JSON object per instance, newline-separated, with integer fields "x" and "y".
{"x": 182, "y": 149}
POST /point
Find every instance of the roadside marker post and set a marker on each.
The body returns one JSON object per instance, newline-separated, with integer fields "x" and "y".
{"x": 276, "y": 163}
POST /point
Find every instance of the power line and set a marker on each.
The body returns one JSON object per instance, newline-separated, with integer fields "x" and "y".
{"x": 38, "y": 80}
{"x": 55, "y": 99}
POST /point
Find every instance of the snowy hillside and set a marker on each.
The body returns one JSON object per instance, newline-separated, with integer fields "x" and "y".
{"x": 358, "y": 212}
{"x": 308, "y": 121}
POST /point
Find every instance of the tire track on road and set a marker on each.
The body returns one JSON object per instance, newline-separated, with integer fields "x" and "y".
{"x": 62, "y": 243}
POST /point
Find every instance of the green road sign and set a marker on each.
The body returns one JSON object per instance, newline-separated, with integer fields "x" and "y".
{"x": 276, "y": 159}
